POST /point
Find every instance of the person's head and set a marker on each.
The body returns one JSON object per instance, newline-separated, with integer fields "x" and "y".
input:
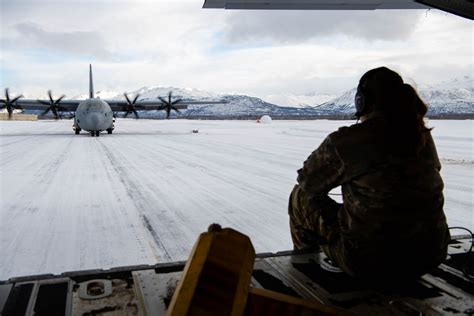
{"x": 383, "y": 90}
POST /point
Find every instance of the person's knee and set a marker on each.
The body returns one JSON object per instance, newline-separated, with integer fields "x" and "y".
{"x": 293, "y": 201}
{"x": 295, "y": 190}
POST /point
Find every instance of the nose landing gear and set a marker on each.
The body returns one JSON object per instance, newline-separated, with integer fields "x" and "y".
{"x": 95, "y": 133}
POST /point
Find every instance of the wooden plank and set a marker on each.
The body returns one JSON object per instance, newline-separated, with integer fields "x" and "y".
{"x": 216, "y": 277}
{"x": 265, "y": 302}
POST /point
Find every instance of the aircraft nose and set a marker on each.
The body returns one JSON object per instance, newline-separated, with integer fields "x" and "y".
{"x": 94, "y": 119}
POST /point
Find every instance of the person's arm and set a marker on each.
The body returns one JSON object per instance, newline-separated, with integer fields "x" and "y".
{"x": 322, "y": 171}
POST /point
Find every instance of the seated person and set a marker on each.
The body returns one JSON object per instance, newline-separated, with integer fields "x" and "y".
{"x": 391, "y": 223}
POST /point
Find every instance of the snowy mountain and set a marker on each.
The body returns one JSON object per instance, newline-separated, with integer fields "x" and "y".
{"x": 450, "y": 96}
{"x": 299, "y": 100}
{"x": 237, "y": 106}
{"x": 447, "y": 98}
{"x": 152, "y": 93}
{"x": 340, "y": 105}
{"x": 245, "y": 106}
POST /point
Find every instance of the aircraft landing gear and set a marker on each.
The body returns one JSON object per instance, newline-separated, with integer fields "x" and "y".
{"x": 92, "y": 133}
{"x": 76, "y": 128}
{"x": 109, "y": 131}
{"x": 97, "y": 133}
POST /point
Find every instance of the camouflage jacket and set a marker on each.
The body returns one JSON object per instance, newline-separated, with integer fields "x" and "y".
{"x": 392, "y": 206}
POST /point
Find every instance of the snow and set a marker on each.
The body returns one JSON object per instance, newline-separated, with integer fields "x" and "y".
{"x": 453, "y": 96}
{"x": 299, "y": 101}
{"x": 145, "y": 193}
{"x": 465, "y": 82}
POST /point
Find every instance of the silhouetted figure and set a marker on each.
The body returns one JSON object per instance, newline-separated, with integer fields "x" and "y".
{"x": 391, "y": 223}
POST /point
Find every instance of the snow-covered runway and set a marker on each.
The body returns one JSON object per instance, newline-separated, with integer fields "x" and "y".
{"x": 143, "y": 194}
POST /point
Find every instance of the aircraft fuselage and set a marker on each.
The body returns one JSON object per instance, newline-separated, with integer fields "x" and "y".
{"x": 94, "y": 115}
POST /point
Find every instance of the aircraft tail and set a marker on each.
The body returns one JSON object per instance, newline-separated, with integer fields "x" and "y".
{"x": 91, "y": 83}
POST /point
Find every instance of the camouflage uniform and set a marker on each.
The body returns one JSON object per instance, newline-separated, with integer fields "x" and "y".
{"x": 392, "y": 218}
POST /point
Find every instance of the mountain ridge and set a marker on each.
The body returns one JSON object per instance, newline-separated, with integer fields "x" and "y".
{"x": 448, "y": 98}
{"x": 451, "y": 97}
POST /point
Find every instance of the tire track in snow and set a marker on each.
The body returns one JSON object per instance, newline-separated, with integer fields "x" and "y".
{"x": 136, "y": 196}
{"x": 132, "y": 225}
{"x": 43, "y": 178}
{"x": 45, "y": 174}
{"x": 449, "y": 161}
{"x": 203, "y": 162}
{"x": 197, "y": 167}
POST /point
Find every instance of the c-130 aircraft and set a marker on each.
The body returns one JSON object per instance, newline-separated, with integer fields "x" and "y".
{"x": 93, "y": 114}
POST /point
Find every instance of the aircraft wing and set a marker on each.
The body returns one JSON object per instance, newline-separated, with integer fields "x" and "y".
{"x": 120, "y": 105}
{"x": 64, "y": 105}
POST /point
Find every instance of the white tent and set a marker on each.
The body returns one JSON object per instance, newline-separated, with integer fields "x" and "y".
{"x": 266, "y": 119}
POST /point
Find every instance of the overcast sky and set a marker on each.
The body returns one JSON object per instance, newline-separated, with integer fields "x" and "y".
{"x": 49, "y": 45}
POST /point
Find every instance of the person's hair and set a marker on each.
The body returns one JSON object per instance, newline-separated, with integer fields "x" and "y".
{"x": 385, "y": 91}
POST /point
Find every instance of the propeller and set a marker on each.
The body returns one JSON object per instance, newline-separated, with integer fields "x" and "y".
{"x": 131, "y": 105}
{"x": 8, "y": 103}
{"x": 168, "y": 105}
{"x": 53, "y": 105}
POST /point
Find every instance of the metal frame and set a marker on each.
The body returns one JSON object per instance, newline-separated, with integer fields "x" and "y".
{"x": 463, "y": 8}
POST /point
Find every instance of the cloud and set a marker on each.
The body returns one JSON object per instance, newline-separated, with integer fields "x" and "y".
{"x": 299, "y": 26}
{"x": 78, "y": 43}
{"x": 49, "y": 46}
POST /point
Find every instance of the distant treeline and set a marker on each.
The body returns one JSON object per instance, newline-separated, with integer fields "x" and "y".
{"x": 318, "y": 117}
{"x": 256, "y": 117}
{"x": 290, "y": 117}
{"x": 451, "y": 116}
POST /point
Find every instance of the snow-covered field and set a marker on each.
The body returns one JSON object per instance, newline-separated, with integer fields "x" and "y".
{"x": 143, "y": 194}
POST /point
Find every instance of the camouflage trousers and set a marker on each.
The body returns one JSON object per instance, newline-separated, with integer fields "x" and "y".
{"x": 314, "y": 225}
